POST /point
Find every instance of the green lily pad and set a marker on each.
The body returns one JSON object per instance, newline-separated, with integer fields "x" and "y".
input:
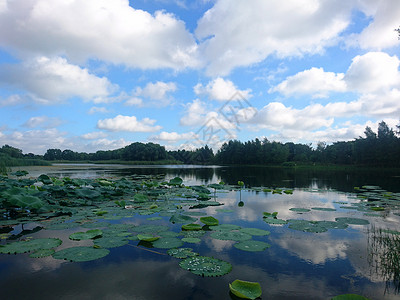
{"x": 192, "y": 240}
{"x": 210, "y": 221}
{"x": 307, "y": 226}
{"x": 255, "y": 231}
{"x": 81, "y": 254}
{"x": 206, "y": 266}
{"x": 231, "y": 235}
{"x": 140, "y": 198}
{"x": 179, "y": 218}
{"x": 252, "y": 245}
{"x": 42, "y": 253}
{"x": 300, "y": 210}
{"x": 30, "y": 245}
{"x": 151, "y": 228}
{"x": 147, "y": 237}
{"x": 245, "y": 289}
{"x": 225, "y": 227}
{"x": 90, "y": 234}
{"x": 323, "y": 208}
{"x": 25, "y": 201}
{"x": 182, "y": 252}
{"x": 168, "y": 243}
{"x": 352, "y": 221}
{"x": 349, "y": 297}
{"x": 193, "y": 233}
{"x": 176, "y": 181}
{"x": 274, "y": 221}
{"x": 111, "y": 242}
{"x": 192, "y": 227}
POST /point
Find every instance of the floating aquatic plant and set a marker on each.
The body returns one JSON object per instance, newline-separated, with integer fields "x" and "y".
{"x": 168, "y": 243}
{"x": 111, "y": 242}
{"x": 147, "y": 237}
{"x": 352, "y": 221}
{"x": 192, "y": 226}
{"x": 192, "y": 240}
{"x": 42, "y": 253}
{"x": 210, "y": 221}
{"x": 182, "y": 252}
{"x": 206, "y": 266}
{"x": 81, "y": 254}
{"x": 255, "y": 231}
{"x": 252, "y": 246}
{"x": 180, "y": 218}
{"x": 231, "y": 235}
{"x": 90, "y": 234}
{"x": 300, "y": 210}
{"x": 245, "y": 289}
{"x": 223, "y": 227}
{"x": 30, "y": 245}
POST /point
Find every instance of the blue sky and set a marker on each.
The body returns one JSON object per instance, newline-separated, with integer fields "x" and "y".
{"x": 91, "y": 75}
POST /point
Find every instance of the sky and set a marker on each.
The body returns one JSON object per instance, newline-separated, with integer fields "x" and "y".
{"x": 89, "y": 75}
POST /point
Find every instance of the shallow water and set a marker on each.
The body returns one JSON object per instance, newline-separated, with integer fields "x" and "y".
{"x": 298, "y": 265}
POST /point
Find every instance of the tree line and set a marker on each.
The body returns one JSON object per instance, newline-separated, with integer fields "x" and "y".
{"x": 374, "y": 149}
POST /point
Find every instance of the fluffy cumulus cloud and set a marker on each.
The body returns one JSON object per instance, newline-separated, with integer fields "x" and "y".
{"x": 37, "y": 141}
{"x": 94, "y": 135}
{"x": 50, "y": 80}
{"x": 155, "y": 94}
{"x": 111, "y": 31}
{"x": 42, "y": 121}
{"x": 128, "y": 123}
{"x": 379, "y": 34}
{"x": 173, "y": 136}
{"x": 373, "y": 71}
{"x": 250, "y": 33}
{"x": 221, "y": 90}
{"x": 313, "y": 81}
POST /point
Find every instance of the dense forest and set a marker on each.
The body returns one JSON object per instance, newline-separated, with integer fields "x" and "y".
{"x": 379, "y": 149}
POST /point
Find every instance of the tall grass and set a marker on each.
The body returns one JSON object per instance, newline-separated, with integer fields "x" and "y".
{"x": 6, "y": 162}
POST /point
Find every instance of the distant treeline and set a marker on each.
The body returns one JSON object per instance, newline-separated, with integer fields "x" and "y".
{"x": 379, "y": 149}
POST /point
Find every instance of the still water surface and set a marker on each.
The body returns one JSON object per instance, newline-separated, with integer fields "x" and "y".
{"x": 298, "y": 265}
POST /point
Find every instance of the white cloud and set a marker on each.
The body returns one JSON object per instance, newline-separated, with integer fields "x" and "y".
{"x": 42, "y": 121}
{"x": 111, "y": 31}
{"x": 173, "y": 136}
{"x": 379, "y": 34}
{"x": 373, "y": 71}
{"x": 94, "y": 135}
{"x": 221, "y": 90}
{"x": 313, "y": 81}
{"x": 51, "y": 80}
{"x": 127, "y": 123}
{"x": 105, "y": 144}
{"x": 98, "y": 109}
{"x": 156, "y": 94}
{"x": 37, "y": 141}
{"x": 250, "y": 33}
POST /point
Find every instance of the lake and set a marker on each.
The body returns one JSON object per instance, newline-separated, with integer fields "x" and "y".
{"x": 302, "y": 257}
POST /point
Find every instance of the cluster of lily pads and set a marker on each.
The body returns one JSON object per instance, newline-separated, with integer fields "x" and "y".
{"x": 92, "y": 208}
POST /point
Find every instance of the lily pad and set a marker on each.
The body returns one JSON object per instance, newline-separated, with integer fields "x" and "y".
{"x": 192, "y": 240}
{"x": 179, "y": 218}
{"x": 225, "y": 227}
{"x": 140, "y": 198}
{"x": 168, "y": 243}
{"x": 210, "y": 221}
{"x": 352, "y": 221}
{"x": 42, "y": 253}
{"x": 255, "y": 231}
{"x": 274, "y": 221}
{"x": 231, "y": 235}
{"x": 111, "y": 242}
{"x": 176, "y": 181}
{"x": 147, "y": 237}
{"x": 192, "y": 227}
{"x": 182, "y": 252}
{"x": 252, "y": 246}
{"x": 323, "y": 208}
{"x": 300, "y": 210}
{"x": 90, "y": 234}
{"x": 30, "y": 245}
{"x": 245, "y": 289}
{"x": 81, "y": 254}
{"x": 206, "y": 266}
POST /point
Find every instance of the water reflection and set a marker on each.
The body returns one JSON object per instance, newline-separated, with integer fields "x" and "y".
{"x": 298, "y": 265}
